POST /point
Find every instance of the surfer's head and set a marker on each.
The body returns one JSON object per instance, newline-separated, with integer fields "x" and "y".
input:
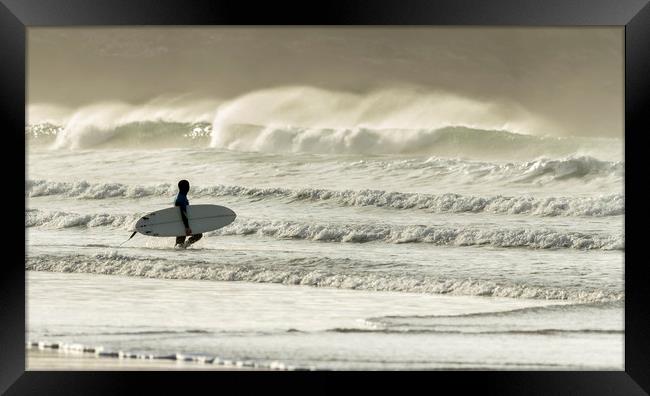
{"x": 184, "y": 186}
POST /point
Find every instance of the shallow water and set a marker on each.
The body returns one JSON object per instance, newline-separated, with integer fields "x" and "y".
{"x": 320, "y": 328}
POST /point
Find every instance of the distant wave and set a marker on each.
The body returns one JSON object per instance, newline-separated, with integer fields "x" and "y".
{"x": 606, "y": 205}
{"x": 450, "y": 141}
{"x": 535, "y": 238}
{"x": 470, "y": 331}
{"x": 140, "y": 134}
{"x": 554, "y": 319}
{"x": 536, "y": 311}
{"x": 318, "y": 272}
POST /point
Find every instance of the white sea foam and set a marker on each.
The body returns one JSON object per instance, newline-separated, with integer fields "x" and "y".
{"x": 120, "y": 125}
{"x": 604, "y": 205}
{"x": 524, "y": 237}
{"x": 308, "y": 119}
{"x": 99, "y": 351}
{"x": 59, "y": 219}
{"x": 451, "y": 141}
{"x": 101, "y": 122}
{"x": 400, "y": 108}
{"x": 324, "y": 272}
{"x": 536, "y": 238}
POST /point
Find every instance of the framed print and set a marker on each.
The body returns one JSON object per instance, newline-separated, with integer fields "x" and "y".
{"x": 438, "y": 189}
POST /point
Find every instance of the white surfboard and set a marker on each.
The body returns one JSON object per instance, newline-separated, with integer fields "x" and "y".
{"x": 168, "y": 222}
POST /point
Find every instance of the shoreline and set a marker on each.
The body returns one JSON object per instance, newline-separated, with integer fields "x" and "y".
{"x": 47, "y": 359}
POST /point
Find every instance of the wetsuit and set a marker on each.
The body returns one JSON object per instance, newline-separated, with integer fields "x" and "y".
{"x": 183, "y": 203}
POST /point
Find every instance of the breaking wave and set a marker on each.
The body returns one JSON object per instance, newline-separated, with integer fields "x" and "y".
{"x": 139, "y": 134}
{"x": 605, "y": 205}
{"x": 452, "y": 141}
{"x": 317, "y": 272}
{"x": 59, "y": 219}
{"x": 161, "y": 122}
{"x": 535, "y": 238}
{"x": 306, "y": 119}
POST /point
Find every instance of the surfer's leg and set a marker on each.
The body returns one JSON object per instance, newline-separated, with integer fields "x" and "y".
{"x": 194, "y": 238}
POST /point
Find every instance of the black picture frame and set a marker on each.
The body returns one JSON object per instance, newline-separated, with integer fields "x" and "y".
{"x": 634, "y": 15}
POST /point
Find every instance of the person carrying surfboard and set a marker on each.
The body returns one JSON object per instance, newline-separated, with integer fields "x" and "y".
{"x": 182, "y": 202}
{"x": 165, "y": 222}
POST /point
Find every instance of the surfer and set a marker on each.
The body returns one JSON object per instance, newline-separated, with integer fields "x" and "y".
{"x": 182, "y": 202}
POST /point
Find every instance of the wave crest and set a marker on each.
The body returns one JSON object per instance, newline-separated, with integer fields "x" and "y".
{"x": 139, "y": 134}
{"x": 607, "y": 205}
{"x": 325, "y": 272}
{"x": 537, "y": 238}
{"x": 450, "y": 141}
{"x": 59, "y": 219}
{"x": 438, "y": 235}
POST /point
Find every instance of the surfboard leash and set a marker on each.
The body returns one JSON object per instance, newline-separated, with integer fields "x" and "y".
{"x": 132, "y": 235}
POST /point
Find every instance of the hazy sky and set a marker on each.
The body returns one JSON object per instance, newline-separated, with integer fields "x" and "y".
{"x": 570, "y": 77}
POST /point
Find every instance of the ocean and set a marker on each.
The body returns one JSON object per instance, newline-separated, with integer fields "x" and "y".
{"x": 353, "y": 249}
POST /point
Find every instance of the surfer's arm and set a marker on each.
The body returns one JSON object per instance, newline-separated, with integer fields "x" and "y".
{"x": 182, "y": 203}
{"x": 184, "y": 216}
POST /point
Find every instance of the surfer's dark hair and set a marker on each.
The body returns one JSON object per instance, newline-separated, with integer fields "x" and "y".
{"x": 184, "y": 186}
